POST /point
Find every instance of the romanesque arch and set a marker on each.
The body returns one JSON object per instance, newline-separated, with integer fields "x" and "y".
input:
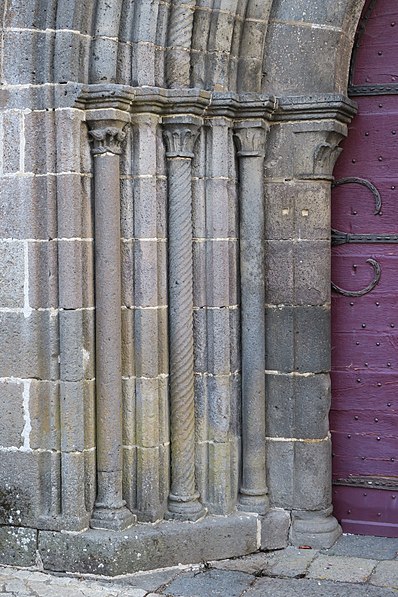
{"x": 149, "y": 126}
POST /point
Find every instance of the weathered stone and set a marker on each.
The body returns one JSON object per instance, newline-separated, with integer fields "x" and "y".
{"x": 28, "y": 207}
{"x": 313, "y": 471}
{"x": 297, "y": 406}
{"x": 275, "y": 587}
{"x": 361, "y": 546}
{"x": 75, "y": 267}
{"x": 73, "y": 72}
{"x": 21, "y": 496}
{"x": 142, "y": 329}
{"x": 43, "y": 275}
{"x": 385, "y": 575}
{"x": 21, "y": 333}
{"x": 280, "y": 478}
{"x": 312, "y": 273}
{"x": 344, "y": 569}
{"x": 11, "y": 149}
{"x": 275, "y": 530}
{"x": 18, "y": 546}
{"x": 145, "y": 547}
{"x": 44, "y": 410}
{"x": 298, "y": 40}
{"x": 74, "y": 205}
{"x": 297, "y": 339}
{"x": 317, "y": 528}
{"x": 215, "y": 340}
{"x": 297, "y": 210}
{"x": 13, "y": 417}
{"x": 290, "y": 562}
{"x": 77, "y": 336}
{"x": 12, "y": 274}
{"x": 206, "y": 582}
{"x": 322, "y": 14}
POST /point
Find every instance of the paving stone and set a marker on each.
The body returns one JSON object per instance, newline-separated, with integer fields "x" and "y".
{"x": 290, "y": 562}
{"x": 150, "y": 581}
{"x": 250, "y": 564}
{"x": 52, "y": 590}
{"x": 342, "y": 569}
{"x": 385, "y": 575}
{"x": 275, "y": 587}
{"x": 30, "y": 575}
{"x": 18, "y": 586}
{"x": 364, "y": 547}
{"x": 210, "y": 583}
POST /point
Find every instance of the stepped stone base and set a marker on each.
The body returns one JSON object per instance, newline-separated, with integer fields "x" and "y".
{"x": 144, "y": 546}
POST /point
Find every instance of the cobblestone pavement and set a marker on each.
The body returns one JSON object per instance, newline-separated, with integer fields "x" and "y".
{"x": 354, "y": 567}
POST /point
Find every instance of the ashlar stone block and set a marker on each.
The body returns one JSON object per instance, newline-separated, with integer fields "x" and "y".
{"x": 12, "y": 274}
{"x": 18, "y": 546}
{"x": 296, "y": 339}
{"x": 12, "y": 415}
{"x": 297, "y": 406}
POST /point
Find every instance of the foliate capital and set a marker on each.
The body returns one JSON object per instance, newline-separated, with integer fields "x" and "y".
{"x": 107, "y": 138}
{"x": 180, "y": 136}
{"x": 250, "y": 138}
{"x": 317, "y": 149}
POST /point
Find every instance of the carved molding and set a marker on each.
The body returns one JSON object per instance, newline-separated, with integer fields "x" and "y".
{"x": 325, "y": 157}
{"x": 250, "y": 139}
{"x": 107, "y": 139}
{"x": 316, "y": 151}
{"x": 180, "y": 139}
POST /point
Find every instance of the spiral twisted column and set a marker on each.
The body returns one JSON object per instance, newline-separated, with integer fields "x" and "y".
{"x": 106, "y": 137}
{"x": 180, "y": 136}
{"x": 250, "y": 140}
{"x": 179, "y": 40}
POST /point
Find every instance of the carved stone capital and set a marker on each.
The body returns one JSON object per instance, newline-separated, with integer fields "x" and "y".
{"x": 316, "y": 151}
{"x": 180, "y": 136}
{"x": 107, "y": 137}
{"x": 180, "y": 140}
{"x": 250, "y": 139}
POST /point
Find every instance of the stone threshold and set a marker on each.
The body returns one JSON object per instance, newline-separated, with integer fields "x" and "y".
{"x": 148, "y": 547}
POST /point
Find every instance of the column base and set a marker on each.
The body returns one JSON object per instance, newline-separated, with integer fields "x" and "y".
{"x": 317, "y": 529}
{"x": 258, "y": 504}
{"x": 180, "y": 508}
{"x": 116, "y": 519}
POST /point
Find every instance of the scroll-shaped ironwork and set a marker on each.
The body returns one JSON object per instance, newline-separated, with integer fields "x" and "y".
{"x": 341, "y": 238}
{"x": 376, "y": 279}
{"x": 364, "y": 183}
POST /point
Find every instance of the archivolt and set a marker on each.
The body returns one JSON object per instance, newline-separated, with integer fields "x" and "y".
{"x": 279, "y": 46}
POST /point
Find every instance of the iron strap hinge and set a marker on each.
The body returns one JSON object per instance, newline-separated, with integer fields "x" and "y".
{"x": 341, "y": 238}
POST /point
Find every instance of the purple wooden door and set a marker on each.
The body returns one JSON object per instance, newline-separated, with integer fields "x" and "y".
{"x": 364, "y": 415}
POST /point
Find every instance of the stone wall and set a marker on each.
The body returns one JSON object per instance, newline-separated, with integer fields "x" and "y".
{"x": 165, "y": 179}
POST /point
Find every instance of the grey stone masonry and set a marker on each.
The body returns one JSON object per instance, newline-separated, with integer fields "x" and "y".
{"x": 165, "y": 175}
{"x": 292, "y": 571}
{"x": 297, "y": 305}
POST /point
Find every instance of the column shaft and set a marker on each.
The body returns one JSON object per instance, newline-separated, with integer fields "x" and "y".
{"x": 108, "y": 329}
{"x": 110, "y": 511}
{"x": 181, "y": 328}
{"x": 183, "y": 498}
{"x": 253, "y": 490}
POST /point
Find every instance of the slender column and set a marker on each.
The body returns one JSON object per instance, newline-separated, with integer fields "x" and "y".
{"x": 180, "y": 136}
{"x": 250, "y": 137}
{"x": 109, "y": 510}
